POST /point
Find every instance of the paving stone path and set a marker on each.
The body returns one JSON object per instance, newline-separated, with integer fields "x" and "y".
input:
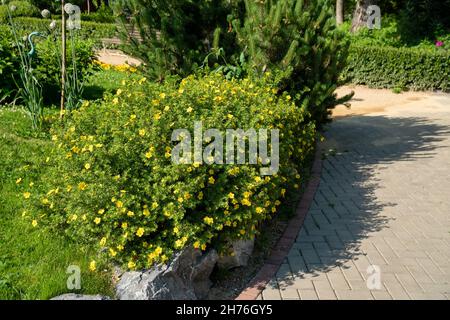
{"x": 381, "y": 212}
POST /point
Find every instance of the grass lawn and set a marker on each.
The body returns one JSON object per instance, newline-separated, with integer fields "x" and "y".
{"x": 33, "y": 260}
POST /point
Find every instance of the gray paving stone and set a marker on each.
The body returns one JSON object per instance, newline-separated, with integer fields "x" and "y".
{"x": 384, "y": 203}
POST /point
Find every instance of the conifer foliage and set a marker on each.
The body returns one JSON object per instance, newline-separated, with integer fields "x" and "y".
{"x": 298, "y": 40}
{"x": 173, "y": 35}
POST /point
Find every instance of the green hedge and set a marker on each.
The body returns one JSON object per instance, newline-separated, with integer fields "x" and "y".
{"x": 89, "y": 30}
{"x": 23, "y": 9}
{"x": 407, "y": 68}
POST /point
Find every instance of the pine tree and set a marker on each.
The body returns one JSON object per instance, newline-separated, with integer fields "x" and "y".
{"x": 174, "y": 35}
{"x": 298, "y": 39}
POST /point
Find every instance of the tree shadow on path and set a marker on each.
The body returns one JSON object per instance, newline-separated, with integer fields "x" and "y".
{"x": 345, "y": 210}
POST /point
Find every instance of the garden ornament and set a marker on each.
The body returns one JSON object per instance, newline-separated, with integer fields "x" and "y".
{"x": 32, "y": 52}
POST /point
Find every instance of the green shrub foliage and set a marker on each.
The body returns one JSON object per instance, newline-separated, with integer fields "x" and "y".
{"x": 22, "y": 9}
{"x": 175, "y": 35}
{"x": 113, "y": 182}
{"x": 299, "y": 39}
{"x": 46, "y": 64}
{"x": 408, "y": 68}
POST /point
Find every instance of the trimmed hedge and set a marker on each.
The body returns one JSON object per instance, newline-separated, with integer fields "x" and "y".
{"x": 406, "y": 68}
{"x": 112, "y": 183}
{"x": 23, "y": 9}
{"x": 89, "y": 30}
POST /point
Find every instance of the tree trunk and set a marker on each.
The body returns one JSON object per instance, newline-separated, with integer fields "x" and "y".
{"x": 360, "y": 14}
{"x": 339, "y": 12}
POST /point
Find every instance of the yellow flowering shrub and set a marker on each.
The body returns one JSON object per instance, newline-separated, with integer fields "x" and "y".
{"x": 114, "y": 184}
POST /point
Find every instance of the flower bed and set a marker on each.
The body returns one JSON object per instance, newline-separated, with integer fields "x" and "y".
{"x": 112, "y": 181}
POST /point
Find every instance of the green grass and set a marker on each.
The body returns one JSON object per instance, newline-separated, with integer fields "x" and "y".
{"x": 33, "y": 260}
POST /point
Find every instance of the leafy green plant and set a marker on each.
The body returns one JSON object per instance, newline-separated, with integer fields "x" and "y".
{"x": 30, "y": 90}
{"x": 112, "y": 183}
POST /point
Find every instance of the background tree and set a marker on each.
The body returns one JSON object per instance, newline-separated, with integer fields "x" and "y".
{"x": 339, "y": 12}
{"x": 360, "y": 14}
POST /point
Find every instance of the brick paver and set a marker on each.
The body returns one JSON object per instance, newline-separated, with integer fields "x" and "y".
{"x": 383, "y": 201}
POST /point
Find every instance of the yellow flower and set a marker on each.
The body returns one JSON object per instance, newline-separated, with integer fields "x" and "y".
{"x": 115, "y": 101}
{"x": 155, "y": 205}
{"x": 120, "y": 247}
{"x": 258, "y": 179}
{"x": 142, "y": 80}
{"x": 119, "y": 92}
{"x": 230, "y": 116}
{"x": 27, "y": 195}
{"x": 101, "y": 211}
{"x": 231, "y": 195}
{"x": 142, "y": 132}
{"x": 196, "y": 244}
{"x": 157, "y": 116}
{"x": 146, "y": 212}
{"x": 242, "y": 232}
{"x": 208, "y": 220}
{"x": 259, "y": 210}
{"x": 18, "y": 180}
{"x": 97, "y": 220}
{"x": 200, "y": 196}
{"x": 93, "y": 265}
{"x": 119, "y": 204}
{"x": 180, "y": 200}
{"x": 74, "y": 217}
{"x": 189, "y": 110}
{"x": 162, "y": 95}
{"x": 277, "y": 203}
{"x": 103, "y": 241}
{"x": 203, "y": 247}
{"x": 112, "y": 252}
{"x": 211, "y": 180}
{"x": 82, "y": 186}
{"x": 87, "y": 166}
{"x": 181, "y": 91}
{"x": 124, "y": 225}
{"x": 158, "y": 251}
{"x": 131, "y": 265}
{"x": 283, "y": 192}
{"x": 34, "y": 223}
{"x": 140, "y": 232}
{"x": 246, "y": 202}
{"x": 247, "y": 194}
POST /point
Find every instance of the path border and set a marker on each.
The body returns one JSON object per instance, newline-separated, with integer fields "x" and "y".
{"x": 284, "y": 244}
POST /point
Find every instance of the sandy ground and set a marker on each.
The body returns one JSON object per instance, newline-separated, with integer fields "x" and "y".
{"x": 116, "y": 57}
{"x": 384, "y": 101}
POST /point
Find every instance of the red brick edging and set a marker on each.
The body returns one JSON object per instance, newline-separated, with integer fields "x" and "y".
{"x": 281, "y": 249}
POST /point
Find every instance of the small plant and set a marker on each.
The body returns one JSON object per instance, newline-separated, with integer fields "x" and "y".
{"x": 30, "y": 90}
